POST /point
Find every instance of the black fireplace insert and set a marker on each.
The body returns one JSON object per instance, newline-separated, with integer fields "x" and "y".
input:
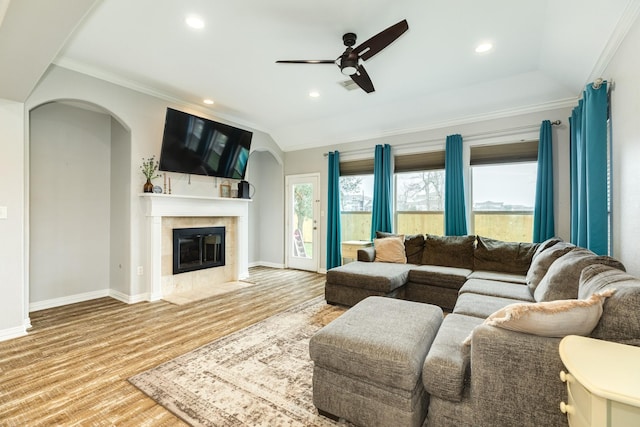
{"x": 197, "y": 248}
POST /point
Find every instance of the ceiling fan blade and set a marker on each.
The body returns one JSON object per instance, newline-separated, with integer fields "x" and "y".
{"x": 381, "y": 40}
{"x": 363, "y": 80}
{"x": 307, "y": 61}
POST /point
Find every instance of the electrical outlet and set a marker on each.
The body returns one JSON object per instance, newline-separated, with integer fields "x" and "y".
{"x": 140, "y": 270}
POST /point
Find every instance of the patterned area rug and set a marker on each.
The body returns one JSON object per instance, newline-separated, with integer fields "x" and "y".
{"x": 258, "y": 376}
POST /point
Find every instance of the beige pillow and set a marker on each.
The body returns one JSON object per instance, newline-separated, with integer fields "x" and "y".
{"x": 551, "y": 319}
{"x": 390, "y": 249}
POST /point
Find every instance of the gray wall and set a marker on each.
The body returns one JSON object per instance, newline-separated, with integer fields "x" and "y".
{"x": 70, "y": 166}
{"x": 266, "y": 235}
{"x": 120, "y": 229}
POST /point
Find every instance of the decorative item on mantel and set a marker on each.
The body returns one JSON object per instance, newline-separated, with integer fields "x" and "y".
{"x": 149, "y": 167}
{"x": 225, "y": 189}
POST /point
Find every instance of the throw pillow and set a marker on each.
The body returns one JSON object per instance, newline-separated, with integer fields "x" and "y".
{"x": 541, "y": 263}
{"x": 551, "y": 319}
{"x": 413, "y": 245}
{"x": 390, "y": 249}
{"x": 563, "y": 277}
{"x": 449, "y": 251}
{"x": 506, "y": 257}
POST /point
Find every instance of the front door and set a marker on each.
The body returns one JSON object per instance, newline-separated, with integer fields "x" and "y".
{"x": 302, "y": 221}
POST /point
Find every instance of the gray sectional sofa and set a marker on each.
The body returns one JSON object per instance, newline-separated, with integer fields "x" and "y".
{"x": 503, "y": 377}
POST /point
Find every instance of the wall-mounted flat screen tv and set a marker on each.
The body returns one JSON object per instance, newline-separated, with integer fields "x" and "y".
{"x": 195, "y": 145}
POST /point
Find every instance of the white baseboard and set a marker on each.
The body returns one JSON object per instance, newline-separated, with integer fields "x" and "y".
{"x": 128, "y": 299}
{"x": 11, "y": 333}
{"x": 71, "y": 299}
{"x": 266, "y": 264}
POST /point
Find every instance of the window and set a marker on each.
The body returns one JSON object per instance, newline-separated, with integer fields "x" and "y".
{"x": 503, "y": 199}
{"x": 356, "y": 198}
{"x": 420, "y": 202}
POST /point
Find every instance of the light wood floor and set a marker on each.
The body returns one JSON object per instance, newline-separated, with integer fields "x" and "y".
{"x": 72, "y": 368}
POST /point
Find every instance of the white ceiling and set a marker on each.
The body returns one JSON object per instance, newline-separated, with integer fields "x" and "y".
{"x": 545, "y": 52}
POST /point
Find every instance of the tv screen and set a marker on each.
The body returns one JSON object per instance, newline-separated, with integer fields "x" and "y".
{"x": 195, "y": 145}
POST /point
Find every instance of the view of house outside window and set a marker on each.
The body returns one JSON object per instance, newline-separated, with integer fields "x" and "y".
{"x": 420, "y": 202}
{"x": 503, "y": 200}
{"x": 356, "y": 198}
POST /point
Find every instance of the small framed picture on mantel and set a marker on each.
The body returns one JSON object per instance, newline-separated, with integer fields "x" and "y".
{"x": 225, "y": 190}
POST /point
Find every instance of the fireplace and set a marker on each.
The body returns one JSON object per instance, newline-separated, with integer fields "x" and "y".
{"x": 198, "y": 248}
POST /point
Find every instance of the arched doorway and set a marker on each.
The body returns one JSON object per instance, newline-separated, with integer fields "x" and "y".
{"x": 79, "y": 203}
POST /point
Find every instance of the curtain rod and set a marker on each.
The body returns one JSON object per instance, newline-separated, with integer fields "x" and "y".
{"x": 470, "y": 136}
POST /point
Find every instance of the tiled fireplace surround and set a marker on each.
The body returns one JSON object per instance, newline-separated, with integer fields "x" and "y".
{"x": 166, "y": 212}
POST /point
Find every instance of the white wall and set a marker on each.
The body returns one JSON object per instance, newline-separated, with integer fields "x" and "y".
{"x": 504, "y": 130}
{"x": 624, "y": 69}
{"x": 13, "y": 307}
{"x": 70, "y": 154}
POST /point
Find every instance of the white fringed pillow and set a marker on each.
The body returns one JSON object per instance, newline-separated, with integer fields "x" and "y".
{"x": 390, "y": 249}
{"x": 551, "y": 318}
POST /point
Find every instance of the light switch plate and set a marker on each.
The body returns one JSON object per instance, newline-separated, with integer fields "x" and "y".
{"x": 3, "y": 212}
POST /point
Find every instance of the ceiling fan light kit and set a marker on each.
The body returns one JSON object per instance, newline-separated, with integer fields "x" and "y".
{"x": 349, "y": 61}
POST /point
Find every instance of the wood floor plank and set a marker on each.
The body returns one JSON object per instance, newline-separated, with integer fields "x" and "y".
{"x": 72, "y": 368}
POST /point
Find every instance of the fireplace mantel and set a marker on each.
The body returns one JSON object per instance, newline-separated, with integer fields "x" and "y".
{"x": 157, "y": 206}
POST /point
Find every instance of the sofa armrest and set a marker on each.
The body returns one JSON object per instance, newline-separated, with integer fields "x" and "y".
{"x": 515, "y": 378}
{"x": 367, "y": 254}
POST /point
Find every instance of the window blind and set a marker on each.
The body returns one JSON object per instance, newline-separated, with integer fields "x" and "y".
{"x": 504, "y": 153}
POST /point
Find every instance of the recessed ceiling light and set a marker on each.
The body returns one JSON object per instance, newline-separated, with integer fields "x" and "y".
{"x": 314, "y": 94}
{"x": 484, "y": 47}
{"x": 208, "y": 101}
{"x": 195, "y": 22}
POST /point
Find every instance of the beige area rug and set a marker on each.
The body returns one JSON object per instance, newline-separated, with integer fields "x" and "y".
{"x": 186, "y": 297}
{"x": 258, "y": 376}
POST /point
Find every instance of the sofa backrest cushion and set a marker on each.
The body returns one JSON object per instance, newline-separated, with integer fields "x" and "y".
{"x": 541, "y": 263}
{"x": 413, "y": 245}
{"x": 620, "y": 320}
{"x": 508, "y": 257}
{"x": 563, "y": 277}
{"x": 390, "y": 249}
{"x": 546, "y": 245}
{"x": 449, "y": 251}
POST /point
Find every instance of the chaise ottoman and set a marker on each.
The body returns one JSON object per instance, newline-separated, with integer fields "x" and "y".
{"x": 368, "y": 362}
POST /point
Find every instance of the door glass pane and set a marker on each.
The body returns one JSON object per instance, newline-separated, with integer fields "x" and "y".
{"x": 303, "y": 220}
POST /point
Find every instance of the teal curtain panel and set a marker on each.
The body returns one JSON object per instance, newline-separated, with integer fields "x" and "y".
{"x": 334, "y": 252}
{"x": 543, "y": 221}
{"x": 589, "y": 199}
{"x": 455, "y": 212}
{"x": 381, "y": 219}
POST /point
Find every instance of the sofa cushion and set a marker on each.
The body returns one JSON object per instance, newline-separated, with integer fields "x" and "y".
{"x": 546, "y": 245}
{"x": 377, "y": 276}
{"x": 481, "y": 306}
{"x": 413, "y": 245}
{"x": 497, "y": 275}
{"x": 445, "y": 277}
{"x": 541, "y": 263}
{"x": 509, "y": 257}
{"x": 620, "y": 320}
{"x": 449, "y": 251}
{"x": 552, "y": 318}
{"x": 447, "y": 364}
{"x": 390, "y": 249}
{"x": 497, "y": 288}
{"x": 563, "y": 277}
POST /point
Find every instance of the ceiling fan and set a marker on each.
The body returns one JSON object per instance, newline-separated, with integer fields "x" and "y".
{"x": 349, "y": 61}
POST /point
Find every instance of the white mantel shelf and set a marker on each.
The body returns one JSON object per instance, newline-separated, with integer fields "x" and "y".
{"x": 157, "y": 206}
